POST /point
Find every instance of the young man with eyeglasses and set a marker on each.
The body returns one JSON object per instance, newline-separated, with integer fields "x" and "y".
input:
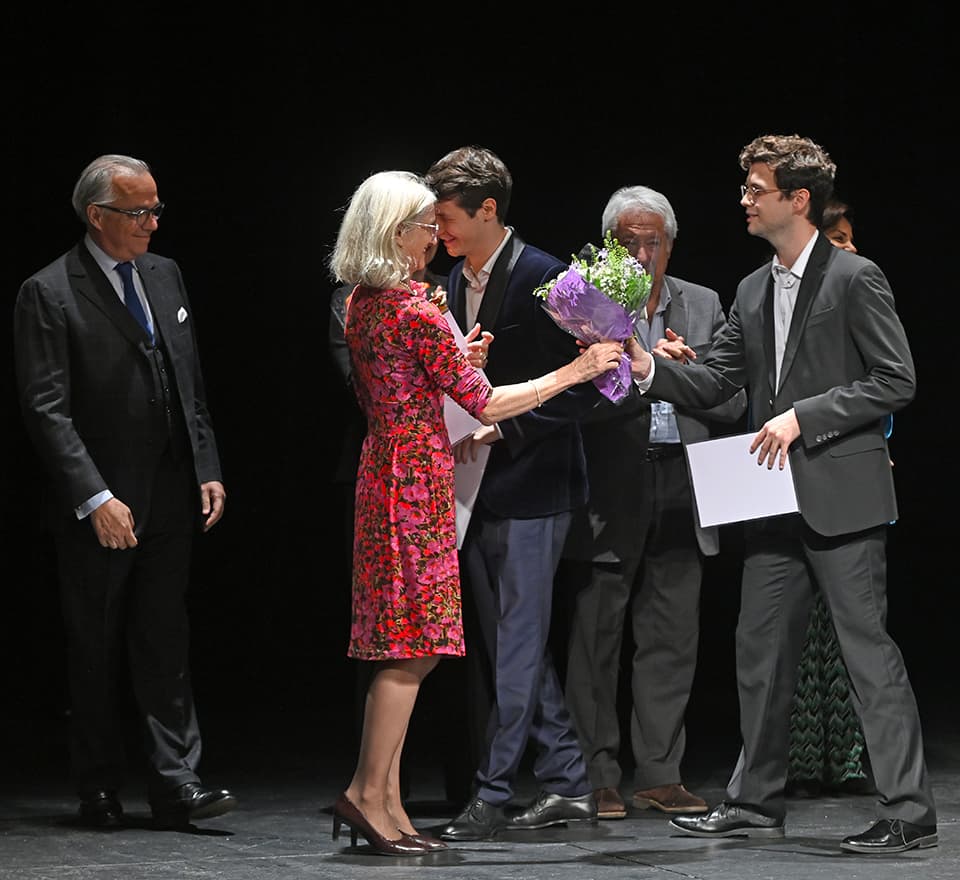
{"x": 111, "y": 390}
{"x": 815, "y": 338}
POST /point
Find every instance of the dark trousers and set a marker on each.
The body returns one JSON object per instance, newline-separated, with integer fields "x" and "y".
{"x": 658, "y": 584}
{"x": 511, "y": 565}
{"x": 129, "y": 605}
{"x": 783, "y": 562}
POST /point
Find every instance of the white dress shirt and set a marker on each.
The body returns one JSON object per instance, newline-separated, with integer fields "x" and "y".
{"x": 786, "y": 286}
{"x": 477, "y": 281}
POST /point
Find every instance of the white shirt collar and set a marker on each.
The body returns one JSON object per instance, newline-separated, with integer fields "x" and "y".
{"x": 108, "y": 264}
{"x": 479, "y": 279}
{"x": 800, "y": 264}
{"x": 104, "y": 260}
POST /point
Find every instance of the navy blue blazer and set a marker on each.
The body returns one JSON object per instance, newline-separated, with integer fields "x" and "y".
{"x": 538, "y": 468}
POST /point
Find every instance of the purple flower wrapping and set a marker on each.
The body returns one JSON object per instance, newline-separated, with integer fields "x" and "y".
{"x": 587, "y": 313}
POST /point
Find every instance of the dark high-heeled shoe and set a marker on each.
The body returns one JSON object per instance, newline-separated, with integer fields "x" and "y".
{"x": 345, "y": 811}
{"x": 432, "y": 844}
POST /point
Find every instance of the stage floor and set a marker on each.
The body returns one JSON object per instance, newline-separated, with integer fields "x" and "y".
{"x": 286, "y": 771}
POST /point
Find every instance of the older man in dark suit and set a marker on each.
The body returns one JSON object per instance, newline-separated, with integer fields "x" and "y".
{"x": 815, "y": 337}
{"x": 113, "y": 398}
{"x": 638, "y": 543}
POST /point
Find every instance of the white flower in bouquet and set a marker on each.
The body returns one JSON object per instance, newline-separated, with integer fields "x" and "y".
{"x": 600, "y": 297}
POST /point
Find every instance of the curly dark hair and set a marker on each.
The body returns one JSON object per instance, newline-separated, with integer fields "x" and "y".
{"x": 797, "y": 163}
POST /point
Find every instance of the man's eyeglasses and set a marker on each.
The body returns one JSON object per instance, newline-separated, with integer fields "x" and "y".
{"x": 752, "y": 192}
{"x": 140, "y": 214}
{"x": 433, "y": 227}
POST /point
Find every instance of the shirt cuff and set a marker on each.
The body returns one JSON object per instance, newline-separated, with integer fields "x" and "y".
{"x": 644, "y": 384}
{"x": 92, "y": 503}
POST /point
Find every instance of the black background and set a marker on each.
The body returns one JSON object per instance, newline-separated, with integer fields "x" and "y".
{"x": 259, "y": 127}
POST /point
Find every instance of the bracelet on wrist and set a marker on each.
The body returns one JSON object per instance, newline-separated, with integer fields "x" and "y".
{"x": 533, "y": 382}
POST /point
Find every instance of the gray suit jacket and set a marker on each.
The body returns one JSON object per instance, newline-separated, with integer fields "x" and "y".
{"x": 616, "y": 437}
{"x": 847, "y": 364}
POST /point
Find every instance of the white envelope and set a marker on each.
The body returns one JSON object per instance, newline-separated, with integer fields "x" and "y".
{"x": 729, "y": 485}
{"x": 461, "y": 424}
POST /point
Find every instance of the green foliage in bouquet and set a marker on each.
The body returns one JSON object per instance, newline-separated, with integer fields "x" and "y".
{"x": 613, "y": 271}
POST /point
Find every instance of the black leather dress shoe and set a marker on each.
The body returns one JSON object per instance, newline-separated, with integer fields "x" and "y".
{"x": 555, "y": 809}
{"x": 729, "y": 820}
{"x": 100, "y": 809}
{"x": 478, "y": 821}
{"x": 190, "y": 801}
{"x": 891, "y": 836}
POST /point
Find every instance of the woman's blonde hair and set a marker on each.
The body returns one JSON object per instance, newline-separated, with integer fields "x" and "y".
{"x": 367, "y": 251}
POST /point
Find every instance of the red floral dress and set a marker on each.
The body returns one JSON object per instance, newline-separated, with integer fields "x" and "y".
{"x": 406, "y": 581}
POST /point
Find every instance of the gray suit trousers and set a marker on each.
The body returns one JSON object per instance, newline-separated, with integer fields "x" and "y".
{"x": 664, "y": 608}
{"x": 784, "y": 559}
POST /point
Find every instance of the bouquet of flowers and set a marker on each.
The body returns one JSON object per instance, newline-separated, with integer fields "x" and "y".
{"x": 599, "y": 297}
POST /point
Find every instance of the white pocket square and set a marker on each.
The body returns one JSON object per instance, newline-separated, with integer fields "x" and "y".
{"x": 181, "y": 315}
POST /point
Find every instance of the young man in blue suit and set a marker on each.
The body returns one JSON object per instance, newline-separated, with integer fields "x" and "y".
{"x": 815, "y": 338}
{"x": 534, "y": 477}
{"x": 109, "y": 380}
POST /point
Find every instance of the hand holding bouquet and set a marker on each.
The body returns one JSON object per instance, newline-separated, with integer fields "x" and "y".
{"x": 600, "y": 297}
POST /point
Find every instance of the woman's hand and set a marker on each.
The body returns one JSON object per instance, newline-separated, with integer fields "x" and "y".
{"x": 597, "y": 359}
{"x": 640, "y": 358}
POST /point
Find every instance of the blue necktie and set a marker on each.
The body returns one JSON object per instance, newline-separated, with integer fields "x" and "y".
{"x": 130, "y": 296}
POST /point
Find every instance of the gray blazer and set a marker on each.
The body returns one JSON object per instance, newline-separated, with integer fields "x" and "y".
{"x": 846, "y": 365}
{"x": 616, "y": 438}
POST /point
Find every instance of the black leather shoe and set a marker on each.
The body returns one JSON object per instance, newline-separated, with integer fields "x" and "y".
{"x": 891, "y": 836}
{"x": 729, "y": 820}
{"x": 555, "y": 809}
{"x": 478, "y": 821}
{"x": 190, "y": 801}
{"x": 100, "y": 809}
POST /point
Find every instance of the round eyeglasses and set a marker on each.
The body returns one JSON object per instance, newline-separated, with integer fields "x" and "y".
{"x": 138, "y": 214}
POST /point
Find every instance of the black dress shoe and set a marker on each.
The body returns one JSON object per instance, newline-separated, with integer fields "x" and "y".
{"x": 555, "y": 809}
{"x": 190, "y": 801}
{"x": 891, "y": 836}
{"x": 729, "y": 820}
{"x": 478, "y": 821}
{"x": 100, "y": 809}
